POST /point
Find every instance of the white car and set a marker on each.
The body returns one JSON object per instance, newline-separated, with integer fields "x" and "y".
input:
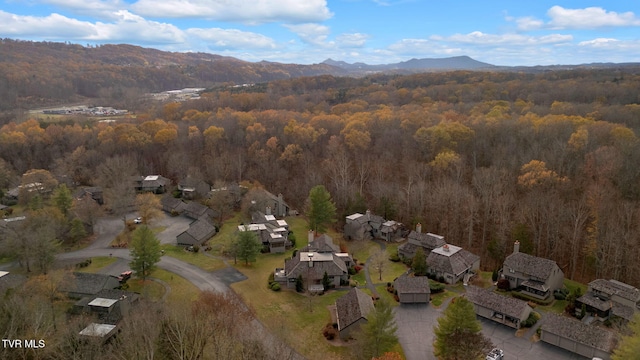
{"x": 138, "y": 220}
{"x": 495, "y": 354}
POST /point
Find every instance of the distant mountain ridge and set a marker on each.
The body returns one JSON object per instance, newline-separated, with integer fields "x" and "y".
{"x": 426, "y": 64}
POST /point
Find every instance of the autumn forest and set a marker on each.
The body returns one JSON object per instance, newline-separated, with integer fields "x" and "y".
{"x": 482, "y": 158}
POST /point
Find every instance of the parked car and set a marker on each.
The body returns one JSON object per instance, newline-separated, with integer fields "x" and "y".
{"x": 138, "y": 220}
{"x": 495, "y": 354}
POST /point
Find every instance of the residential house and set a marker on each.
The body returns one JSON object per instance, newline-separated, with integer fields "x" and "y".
{"x": 412, "y": 289}
{"x": 311, "y": 266}
{"x": 195, "y": 210}
{"x": 324, "y": 244}
{"x": 172, "y": 205}
{"x": 505, "y": 310}
{"x": 418, "y": 239}
{"x": 95, "y": 193}
{"x": 156, "y": 184}
{"x": 452, "y": 263}
{"x": 109, "y": 306}
{"x": 369, "y": 227}
{"x": 573, "y": 335}
{"x": 198, "y": 233}
{"x": 191, "y": 188}
{"x": 352, "y": 311}
{"x": 273, "y": 233}
{"x": 261, "y": 199}
{"x": 606, "y": 298}
{"x": 87, "y": 284}
{"x": 534, "y": 276}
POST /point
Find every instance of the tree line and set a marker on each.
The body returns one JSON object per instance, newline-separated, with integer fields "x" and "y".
{"x": 483, "y": 159}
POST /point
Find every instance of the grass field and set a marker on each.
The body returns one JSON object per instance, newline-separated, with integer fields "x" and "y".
{"x": 98, "y": 263}
{"x": 292, "y": 316}
{"x": 203, "y": 261}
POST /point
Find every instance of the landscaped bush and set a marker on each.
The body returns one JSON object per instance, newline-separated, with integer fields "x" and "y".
{"x": 275, "y": 286}
{"x": 394, "y": 257}
{"x": 330, "y": 331}
{"x": 436, "y": 287}
{"x": 531, "y": 320}
{"x": 494, "y": 276}
{"x": 357, "y": 268}
{"x": 503, "y": 284}
{"x": 561, "y": 294}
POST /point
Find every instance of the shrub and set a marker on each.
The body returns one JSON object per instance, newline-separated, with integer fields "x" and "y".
{"x": 436, "y": 287}
{"x": 275, "y": 286}
{"x": 561, "y": 294}
{"x": 330, "y": 332}
{"x": 494, "y": 276}
{"x": 394, "y": 257}
{"x": 503, "y": 284}
{"x": 441, "y": 279}
{"x": 531, "y": 320}
{"x": 357, "y": 268}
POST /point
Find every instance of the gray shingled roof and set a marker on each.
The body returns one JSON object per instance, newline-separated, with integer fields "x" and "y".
{"x": 294, "y": 267}
{"x": 426, "y": 240}
{"x": 352, "y": 307}
{"x": 612, "y": 287}
{"x": 498, "y": 303}
{"x": 87, "y": 283}
{"x": 456, "y": 263}
{"x": 324, "y": 243}
{"x": 412, "y": 284}
{"x": 590, "y": 300}
{"x": 573, "y": 329}
{"x": 201, "y": 229}
{"x": 173, "y": 203}
{"x": 530, "y": 265}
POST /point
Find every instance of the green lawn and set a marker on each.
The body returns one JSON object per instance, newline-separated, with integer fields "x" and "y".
{"x": 438, "y": 299}
{"x": 98, "y": 263}
{"x": 182, "y": 291}
{"x": 198, "y": 259}
{"x": 149, "y": 289}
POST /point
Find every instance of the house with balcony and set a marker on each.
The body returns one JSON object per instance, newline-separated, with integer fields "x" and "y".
{"x": 531, "y": 275}
{"x": 369, "y": 227}
{"x": 610, "y": 298}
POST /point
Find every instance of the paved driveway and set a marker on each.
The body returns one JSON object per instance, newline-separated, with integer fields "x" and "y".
{"x": 174, "y": 226}
{"x": 415, "y": 334}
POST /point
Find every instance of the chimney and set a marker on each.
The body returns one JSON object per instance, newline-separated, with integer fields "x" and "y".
{"x": 267, "y": 210}
{"x": 368, "y": 214}
{"x": 418, "y": 228}
{"x": 311, "y": 236}
{"x": 310, "y": 259}
{"x": 445, "y": 247}
{"x": 516, "y": 247}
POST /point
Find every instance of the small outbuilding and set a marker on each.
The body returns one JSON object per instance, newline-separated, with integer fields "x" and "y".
{"x": 501, "y": 309}
{"x": 412, "y": 289}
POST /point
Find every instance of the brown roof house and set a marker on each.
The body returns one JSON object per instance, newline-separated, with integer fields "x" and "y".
{"x": 352, "y": 311}
{"x": 195, "y": 210}
{"x": 152, "y": 183}
{"x": 607, "y": 298}
{"x": 418, "y": 239}
{"x": 312, "y": 266}
{"x": 273, "y": 233}
{"x": 88, "y": 284}
{"x": 501, "y": 309}
{"x": 573, "y": 335}
{"x": 412, "y": 289}
{"x": 534, "y": 276}
{"x": 172, "y": 205}
{"x": 368, "y": 227}
{"x": 192, "y": 188}
{"x": 198, "y": 233}
{"x": 452, "y": 263}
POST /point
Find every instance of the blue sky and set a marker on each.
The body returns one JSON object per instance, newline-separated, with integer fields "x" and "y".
{"x": 503, "y": 32}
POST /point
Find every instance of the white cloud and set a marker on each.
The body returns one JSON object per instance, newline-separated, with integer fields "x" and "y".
{"x": 95, "y": 7}
{"x": 254, "y": 12}
{"x": 132, "y": 27}
{"x": 480, "y": 38}
{"x": 589, "y": 18}
{"x": 354, "y": 40}
{"x": 529, "y": 23}
{"x": 314, "y": 34}
{"x": 232, "y": 38}
{"x": 54, "y": 26}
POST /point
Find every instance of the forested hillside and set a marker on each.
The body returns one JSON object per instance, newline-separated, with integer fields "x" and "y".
{"x": 481, "y": 158}
{"x": 36, "y": 74}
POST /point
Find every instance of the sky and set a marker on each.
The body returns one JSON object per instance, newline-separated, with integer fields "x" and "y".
{"x": 499, "y": 32}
